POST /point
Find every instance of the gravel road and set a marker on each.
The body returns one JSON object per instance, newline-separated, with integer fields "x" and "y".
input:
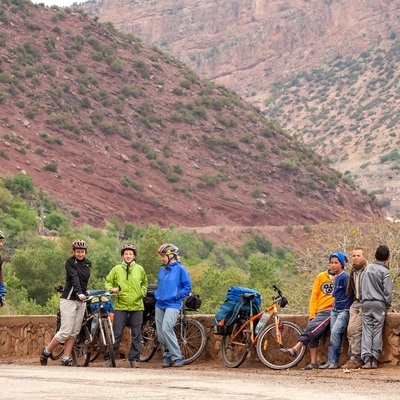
{"x": 206, "y": 380}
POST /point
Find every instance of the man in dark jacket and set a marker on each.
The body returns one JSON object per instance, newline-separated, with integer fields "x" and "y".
{"x": 376, "y": 292}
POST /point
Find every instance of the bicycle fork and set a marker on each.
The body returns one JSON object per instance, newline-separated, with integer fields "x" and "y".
{"x": 105, "y": 316}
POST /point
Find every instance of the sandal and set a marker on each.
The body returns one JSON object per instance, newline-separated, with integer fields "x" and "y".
{"x": 291, "y": 352}
{"x": 310, "y": 366}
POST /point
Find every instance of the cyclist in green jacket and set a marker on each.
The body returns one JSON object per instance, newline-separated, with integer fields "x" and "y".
{"x": 128, "y": 281}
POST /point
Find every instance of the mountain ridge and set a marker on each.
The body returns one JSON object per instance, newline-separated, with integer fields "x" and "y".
{"x": 111, "y": 128}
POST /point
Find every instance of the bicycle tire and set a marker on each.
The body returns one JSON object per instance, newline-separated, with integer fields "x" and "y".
{"x": 234, "y": 354}
{"x": 58, "y": 351}
{"x": 269, "y": 351}
{"x": 149, "y": 341}
{"x": 192, "y": 339}
{"x": 81, "y": 349}
{"x": 108, "y": 335}
{"x": 96, "y": 349}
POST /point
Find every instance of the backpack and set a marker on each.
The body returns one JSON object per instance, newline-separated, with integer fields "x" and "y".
{"x": 232, "y": 307}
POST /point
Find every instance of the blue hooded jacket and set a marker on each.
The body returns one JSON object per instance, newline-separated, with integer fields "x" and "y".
{"x": 173, "y": 285}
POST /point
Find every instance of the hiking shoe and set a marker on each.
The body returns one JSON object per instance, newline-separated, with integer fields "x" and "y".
{"x": 178, "y": 363}
{"x": 353, "y": 364}
{"x": 135, "y": 364}
{"x": 43, "y": 358}
{"x": 167, "y": 362}
{"x": 108, "y": 363}
{"x": 374, "y": 363}
{"x": 67, "y": 362}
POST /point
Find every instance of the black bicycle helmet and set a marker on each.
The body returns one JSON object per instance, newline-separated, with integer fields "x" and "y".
{"x": 1, "y": 235}
{"x": 79, "y": 244}
{"x": 128, "y": 247}
{"x": 168, "y": 248}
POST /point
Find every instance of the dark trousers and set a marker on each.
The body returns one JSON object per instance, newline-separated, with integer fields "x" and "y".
{"x": 134, "y": 320}
{"x": 315, "y": 328}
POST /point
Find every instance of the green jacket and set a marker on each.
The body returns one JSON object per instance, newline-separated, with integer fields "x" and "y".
{"x": 132, "y": 288}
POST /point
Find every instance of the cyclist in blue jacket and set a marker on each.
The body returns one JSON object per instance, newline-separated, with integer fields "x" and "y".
{"x": 173, "y": 285}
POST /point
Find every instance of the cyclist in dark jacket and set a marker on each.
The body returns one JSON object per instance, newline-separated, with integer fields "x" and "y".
{"x": 72, "y": 307}
{"x": 173, "y": 285}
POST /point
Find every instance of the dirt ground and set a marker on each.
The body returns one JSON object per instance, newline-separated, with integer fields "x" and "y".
{"x": 200, "y": 380}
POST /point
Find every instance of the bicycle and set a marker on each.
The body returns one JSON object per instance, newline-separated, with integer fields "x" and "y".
{"x": 190, "y": 333}
{"x": 81, "y": 350}
{"x": 103, "y": 335}
{"x": 269, "y": 340}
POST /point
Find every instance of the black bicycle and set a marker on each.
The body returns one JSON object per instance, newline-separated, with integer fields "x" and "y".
{"x": 81, "y": 350}
{"x": 190, "y": 333}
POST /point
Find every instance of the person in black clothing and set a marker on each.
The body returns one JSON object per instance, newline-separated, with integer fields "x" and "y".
{"x": 2, "y": 287}
{"x": 72, "y": 307}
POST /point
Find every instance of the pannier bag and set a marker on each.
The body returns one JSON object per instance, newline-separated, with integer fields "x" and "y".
{"x": 149, "y": 300}
{"x": 230, "y": 309}
{"x": 193, "y": 302}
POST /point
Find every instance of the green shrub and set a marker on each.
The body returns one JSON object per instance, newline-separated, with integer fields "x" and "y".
{"x": 50, "y": 167}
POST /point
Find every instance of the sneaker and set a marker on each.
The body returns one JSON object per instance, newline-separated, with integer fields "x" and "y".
{"x": 374, "y": 363}
{"x": 43, "y": 358}
{"x": 135, "y": 364}
{"x": 178, "y": 363}
{"x": 67, "y": 362}
{"x": 167, "y": 362}
{"x": 108, "y": 363}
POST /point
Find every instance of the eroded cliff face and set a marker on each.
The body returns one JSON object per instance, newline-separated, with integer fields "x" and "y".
{"x": 248, "y": 45}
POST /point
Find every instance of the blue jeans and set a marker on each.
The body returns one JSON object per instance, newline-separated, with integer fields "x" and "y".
{"x": 339, "y": 321}
{"x": 165, "y": 321}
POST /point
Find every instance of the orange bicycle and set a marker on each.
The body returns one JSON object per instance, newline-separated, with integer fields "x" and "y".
{"x": 268, "y": 341}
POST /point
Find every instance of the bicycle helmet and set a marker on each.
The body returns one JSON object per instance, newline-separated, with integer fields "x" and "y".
{"x": 168, "y": 248}
{"x": 1, "y": 235}
{"x": 128, "y": 247}
{"x": 79, "y": 244}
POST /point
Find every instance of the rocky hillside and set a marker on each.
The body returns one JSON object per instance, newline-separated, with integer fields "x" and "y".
{"x": 324, "y": 70}
{"x": 110, "y": 127}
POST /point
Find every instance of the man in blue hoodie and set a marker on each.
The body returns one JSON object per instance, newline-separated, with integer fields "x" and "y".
{"x": 173, "y": 285}
{"x": 340, "y": 310}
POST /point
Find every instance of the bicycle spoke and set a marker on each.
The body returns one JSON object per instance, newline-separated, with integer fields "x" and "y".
{"x": 149, "y": 340}
{"x": 269, "y": 351}
{"x": 81, "y": 350}
{"x": 234, "y": 347}
{"x": 192, "y": 339}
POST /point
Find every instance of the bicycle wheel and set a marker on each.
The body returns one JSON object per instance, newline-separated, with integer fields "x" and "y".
{"x": 148, "y": 343}
{"x": 81, "y": 349}
{"x": 108, "y": 336}
{"x": 95, "y": 349}
{"x": 191, "y": 339}
{"x": 235, "y": 347}
{"x": 269, "y": 351}
{"x": 57, "y": 352}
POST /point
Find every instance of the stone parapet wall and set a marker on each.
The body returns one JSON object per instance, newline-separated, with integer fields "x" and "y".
{"x": 24, "y": 337}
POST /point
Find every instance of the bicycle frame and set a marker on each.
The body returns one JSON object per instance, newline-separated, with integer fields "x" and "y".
{"x": 248, "y": 327}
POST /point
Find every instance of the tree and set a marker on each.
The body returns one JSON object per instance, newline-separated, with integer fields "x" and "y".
{"x": 147, "y": 251}
{"x": 344, "y": 235}
{"x": 39, "y": 266}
